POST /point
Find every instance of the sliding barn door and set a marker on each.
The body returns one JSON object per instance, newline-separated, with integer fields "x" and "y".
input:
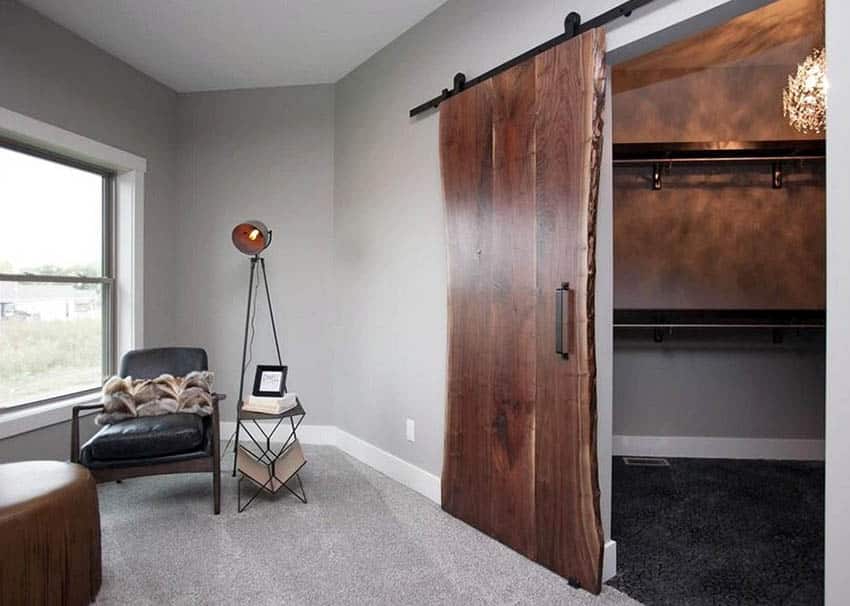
{"x": 520, "y": 162}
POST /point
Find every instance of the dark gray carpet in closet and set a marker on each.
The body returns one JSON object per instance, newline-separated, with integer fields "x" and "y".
{"x": 708, "y": 531}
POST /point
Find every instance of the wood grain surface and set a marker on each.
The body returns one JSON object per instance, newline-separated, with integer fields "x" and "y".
{"x": 520, "y": 161}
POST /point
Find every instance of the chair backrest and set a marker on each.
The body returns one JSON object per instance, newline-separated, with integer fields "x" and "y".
{"x": 150, "y": 363}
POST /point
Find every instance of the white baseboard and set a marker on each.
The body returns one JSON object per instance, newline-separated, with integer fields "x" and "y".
{"x": 718, "y": 448}
{"x": 407, "y": 474}
{"x": 401, "y": 471}
{"x": 609, "y": 561}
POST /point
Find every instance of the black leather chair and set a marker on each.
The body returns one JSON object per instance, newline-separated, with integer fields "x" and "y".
{"x": 145, "y": 446}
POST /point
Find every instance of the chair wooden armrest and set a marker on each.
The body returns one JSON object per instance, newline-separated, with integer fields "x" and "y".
{"x": 75, "y": 428}
{"x": 216, "y": 398}
{"x": 216, "y": 452}
{"x": 216, "y": 422}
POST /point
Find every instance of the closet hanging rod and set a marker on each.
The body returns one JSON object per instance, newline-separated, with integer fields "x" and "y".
{"x": 719, "y": 318}
{"x": 710, "y": 159}
{"x": 719, "y": 151}
{"x": 793, "y": 326}
{"x": 572, "y": 28}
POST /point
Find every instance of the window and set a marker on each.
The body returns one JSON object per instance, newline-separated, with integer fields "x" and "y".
{"x": 56, "y": 276}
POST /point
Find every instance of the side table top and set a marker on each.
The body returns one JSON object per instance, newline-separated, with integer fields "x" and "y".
{"x": 297, "y": 411}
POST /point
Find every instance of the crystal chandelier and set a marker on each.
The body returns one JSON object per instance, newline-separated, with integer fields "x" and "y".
{"x": 804, "y": 100}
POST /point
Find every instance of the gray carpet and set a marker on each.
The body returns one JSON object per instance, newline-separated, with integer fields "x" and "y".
{"x": 361, "y": 539}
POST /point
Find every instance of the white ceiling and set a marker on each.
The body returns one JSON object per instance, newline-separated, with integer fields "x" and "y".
{"x": 195, "y": 45}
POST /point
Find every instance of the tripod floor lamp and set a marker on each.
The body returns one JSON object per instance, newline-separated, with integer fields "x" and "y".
{"x": 252, "y": 238}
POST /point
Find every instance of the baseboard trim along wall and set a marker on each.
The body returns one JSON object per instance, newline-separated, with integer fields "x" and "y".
{"x": 719, "y": 448}
{"x": 609, "y": 561}
{"x": 401, "y": 471}
{"x": 407, "y": 474}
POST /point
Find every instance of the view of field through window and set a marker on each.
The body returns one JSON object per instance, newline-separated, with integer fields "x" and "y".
{"x": 51, "y": 332}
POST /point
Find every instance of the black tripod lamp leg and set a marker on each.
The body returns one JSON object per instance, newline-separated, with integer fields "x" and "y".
{"x": 244, "y": 357}
{"x": 271, "y": 310}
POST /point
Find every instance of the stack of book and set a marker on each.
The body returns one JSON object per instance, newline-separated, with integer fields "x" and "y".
{"x": 272, "y": 476}
{"x": 270, "y": 406}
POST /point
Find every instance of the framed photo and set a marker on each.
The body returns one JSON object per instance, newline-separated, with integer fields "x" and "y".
{"x": 270, "y": 381}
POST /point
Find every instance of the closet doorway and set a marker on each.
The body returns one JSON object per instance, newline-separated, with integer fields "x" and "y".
{"x": 720, "y": 310}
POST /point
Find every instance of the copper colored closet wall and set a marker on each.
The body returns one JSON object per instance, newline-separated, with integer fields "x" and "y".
{"x": 520, "y": 170}
{"x": 718, "y": 236}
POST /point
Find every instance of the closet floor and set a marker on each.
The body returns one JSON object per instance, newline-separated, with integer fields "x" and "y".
{"x": 710, "y": 531}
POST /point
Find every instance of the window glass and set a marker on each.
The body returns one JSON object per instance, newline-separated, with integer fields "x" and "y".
{"x": 53, "y": 288}
{"x": 50, "y": 217}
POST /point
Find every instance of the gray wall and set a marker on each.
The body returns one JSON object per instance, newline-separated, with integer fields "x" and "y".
{"x": 838, "y": 305}
{"x": 720, "y": 387}
{"x": 48, "y": 443}
{"x": 264, "y": 153}
{"x": 259, "y": 154}
{"x": 50, "y": 74}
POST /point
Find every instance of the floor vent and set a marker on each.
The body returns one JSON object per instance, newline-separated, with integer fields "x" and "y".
{"x": 646, "y": 461}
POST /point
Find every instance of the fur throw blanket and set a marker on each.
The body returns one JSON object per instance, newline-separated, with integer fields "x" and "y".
{"x": 126, "y": 398}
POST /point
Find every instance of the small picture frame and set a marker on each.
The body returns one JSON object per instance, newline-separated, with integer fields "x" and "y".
{"x": 270, "y": 381}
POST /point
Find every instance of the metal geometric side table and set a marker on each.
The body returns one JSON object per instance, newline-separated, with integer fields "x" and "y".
{"x": 269, "y": 469}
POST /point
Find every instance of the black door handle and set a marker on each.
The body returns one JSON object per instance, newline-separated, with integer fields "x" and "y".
{"x": 562, "y": 327}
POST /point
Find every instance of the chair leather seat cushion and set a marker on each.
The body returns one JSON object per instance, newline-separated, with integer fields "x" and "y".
{"x": 146, "y": 437}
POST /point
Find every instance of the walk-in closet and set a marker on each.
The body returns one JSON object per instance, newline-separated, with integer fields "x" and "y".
{"x": 720, "y": 309}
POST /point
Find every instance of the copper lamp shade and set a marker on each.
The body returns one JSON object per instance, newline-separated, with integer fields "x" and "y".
{"x": 251, "y": 237}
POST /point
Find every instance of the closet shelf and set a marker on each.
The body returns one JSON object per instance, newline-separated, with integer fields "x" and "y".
{"x": 718, "y": 151}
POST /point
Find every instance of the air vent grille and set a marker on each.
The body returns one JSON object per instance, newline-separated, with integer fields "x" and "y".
{"x": 646, "y": 461}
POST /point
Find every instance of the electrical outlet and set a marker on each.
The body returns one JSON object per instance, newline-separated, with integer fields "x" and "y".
{"x": 411, "y": 430}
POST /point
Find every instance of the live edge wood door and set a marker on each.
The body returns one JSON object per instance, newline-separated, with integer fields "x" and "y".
{"x": 520, "y": 162}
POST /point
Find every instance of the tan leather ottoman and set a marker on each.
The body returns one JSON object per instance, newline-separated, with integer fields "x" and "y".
{"x": 49, "y": 534}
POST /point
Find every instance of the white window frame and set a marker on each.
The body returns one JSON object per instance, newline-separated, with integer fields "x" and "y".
{"x": 128, "y": 241}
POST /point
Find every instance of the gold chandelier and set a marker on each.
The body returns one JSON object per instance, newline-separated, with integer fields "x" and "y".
{"x": 804, "y": 100}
